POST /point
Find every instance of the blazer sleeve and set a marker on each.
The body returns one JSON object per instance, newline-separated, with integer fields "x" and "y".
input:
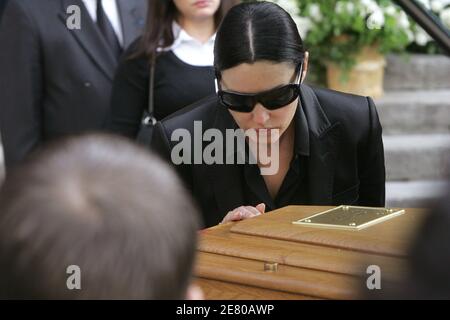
{"x": 371, "y": 169}
{"x": 20, "y": 82}
{"x": 161, "y": 145}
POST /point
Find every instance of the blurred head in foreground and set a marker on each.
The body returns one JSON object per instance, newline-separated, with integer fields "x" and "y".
{"x": 95, "y": 217}
{"x": 430, "y": 256}
{"x": 427, "y": 272}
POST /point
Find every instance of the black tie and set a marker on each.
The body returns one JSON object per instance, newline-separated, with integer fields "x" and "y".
{"x": 107, "y": 30}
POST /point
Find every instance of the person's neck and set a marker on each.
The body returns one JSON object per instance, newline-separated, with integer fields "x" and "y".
{"x": 284, "y": 145}
{"x": 201, "y": 29}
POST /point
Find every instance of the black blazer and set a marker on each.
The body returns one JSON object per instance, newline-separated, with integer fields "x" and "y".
{"x": 346, "y": 162}
{"x": 55, "y": 81}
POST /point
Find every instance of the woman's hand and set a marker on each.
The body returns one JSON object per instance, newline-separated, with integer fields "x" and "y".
{"x": 244, "y": 212}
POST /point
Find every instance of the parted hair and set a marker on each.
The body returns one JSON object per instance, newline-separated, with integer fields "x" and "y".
{"x": 253, "y": 31}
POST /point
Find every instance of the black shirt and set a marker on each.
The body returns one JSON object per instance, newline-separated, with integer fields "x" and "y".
{"x": 293, "y": 190}
{"x": 177, "y": 85}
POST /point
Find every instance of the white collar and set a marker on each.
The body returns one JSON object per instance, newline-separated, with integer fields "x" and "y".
{"x": 189, "y": 49}
{"x": 181, "y": 37}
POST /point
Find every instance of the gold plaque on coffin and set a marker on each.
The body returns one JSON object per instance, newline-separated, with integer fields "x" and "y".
{"x": 349, "y": 217}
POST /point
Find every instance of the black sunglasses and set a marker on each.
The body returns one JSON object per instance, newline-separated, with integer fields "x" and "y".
{"x": 272, "y": 99}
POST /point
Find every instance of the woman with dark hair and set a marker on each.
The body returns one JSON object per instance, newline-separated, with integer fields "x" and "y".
{"x": 326, "y": 146}
{"x": 179, "y": 39}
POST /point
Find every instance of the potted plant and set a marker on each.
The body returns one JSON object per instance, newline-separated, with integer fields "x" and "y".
{"x": 349, "y": 38}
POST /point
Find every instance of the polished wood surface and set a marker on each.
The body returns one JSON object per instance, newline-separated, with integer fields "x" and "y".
{"x": 312, "y": 262}
{"x": 388, "y": 238}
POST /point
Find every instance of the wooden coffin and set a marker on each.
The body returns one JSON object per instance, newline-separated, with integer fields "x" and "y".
{"x": 269, "y": 257}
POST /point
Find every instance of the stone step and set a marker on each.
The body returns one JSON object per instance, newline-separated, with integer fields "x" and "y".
{"x": 417, "y": 157}
{"x": 414, "y": 194}
{"x": 420, "y": 111}
{"x": 417, "y": 71}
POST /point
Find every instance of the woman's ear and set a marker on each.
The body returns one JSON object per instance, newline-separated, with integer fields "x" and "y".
{"x": 305, "y": 67}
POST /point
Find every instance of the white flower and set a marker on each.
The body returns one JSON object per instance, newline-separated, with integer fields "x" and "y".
{"x": 340, "y": 7}
{"x": 344, "y": 7}
{"x": 437, "y": 5}
{"x": 369, "y": 6}
{"x": 445, "y": 17}
{"x": 390, "y": 10}
{"x": 421, "y": 37}
{"x": 375, "y": 20}
{"x": 403, "y": 21}
{"x": 350, "y": 7}
{"x": 289, "y": 5}
{"x": 425, "y": 3}
{"x": 303, "y": 25}
{"x": 410, "y": 35}
{"x": 315, "y": 13}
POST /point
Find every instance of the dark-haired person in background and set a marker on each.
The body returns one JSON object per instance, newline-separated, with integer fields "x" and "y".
{"x": 103, "y": 205}
{"x": 330, "y": 144}
{"x": 54, "y": 80}
{"x": 181, "y": 34}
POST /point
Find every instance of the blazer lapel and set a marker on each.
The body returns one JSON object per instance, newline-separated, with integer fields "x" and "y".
{"x": 132, "y": 15}
{"x": 90, "y": 39}
{"x": 323, "y": 149}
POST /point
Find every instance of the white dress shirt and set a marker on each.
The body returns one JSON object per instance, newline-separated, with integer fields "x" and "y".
{"x": 190, "y": 50}
{"x": 111, "y": 11}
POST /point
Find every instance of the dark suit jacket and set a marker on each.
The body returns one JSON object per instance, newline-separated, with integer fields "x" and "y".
{"x": 346, "y": 162}
{"x": 55, "y": 81}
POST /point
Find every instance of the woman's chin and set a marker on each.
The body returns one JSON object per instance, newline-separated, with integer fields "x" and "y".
{"x": 264, "y": 136}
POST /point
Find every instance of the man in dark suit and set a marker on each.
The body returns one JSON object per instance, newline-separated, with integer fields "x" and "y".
{"x": 58, "y": 60}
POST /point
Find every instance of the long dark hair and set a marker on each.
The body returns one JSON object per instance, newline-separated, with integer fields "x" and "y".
{"x": 160, "y": 17}
{"x": 255, "y": 31}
